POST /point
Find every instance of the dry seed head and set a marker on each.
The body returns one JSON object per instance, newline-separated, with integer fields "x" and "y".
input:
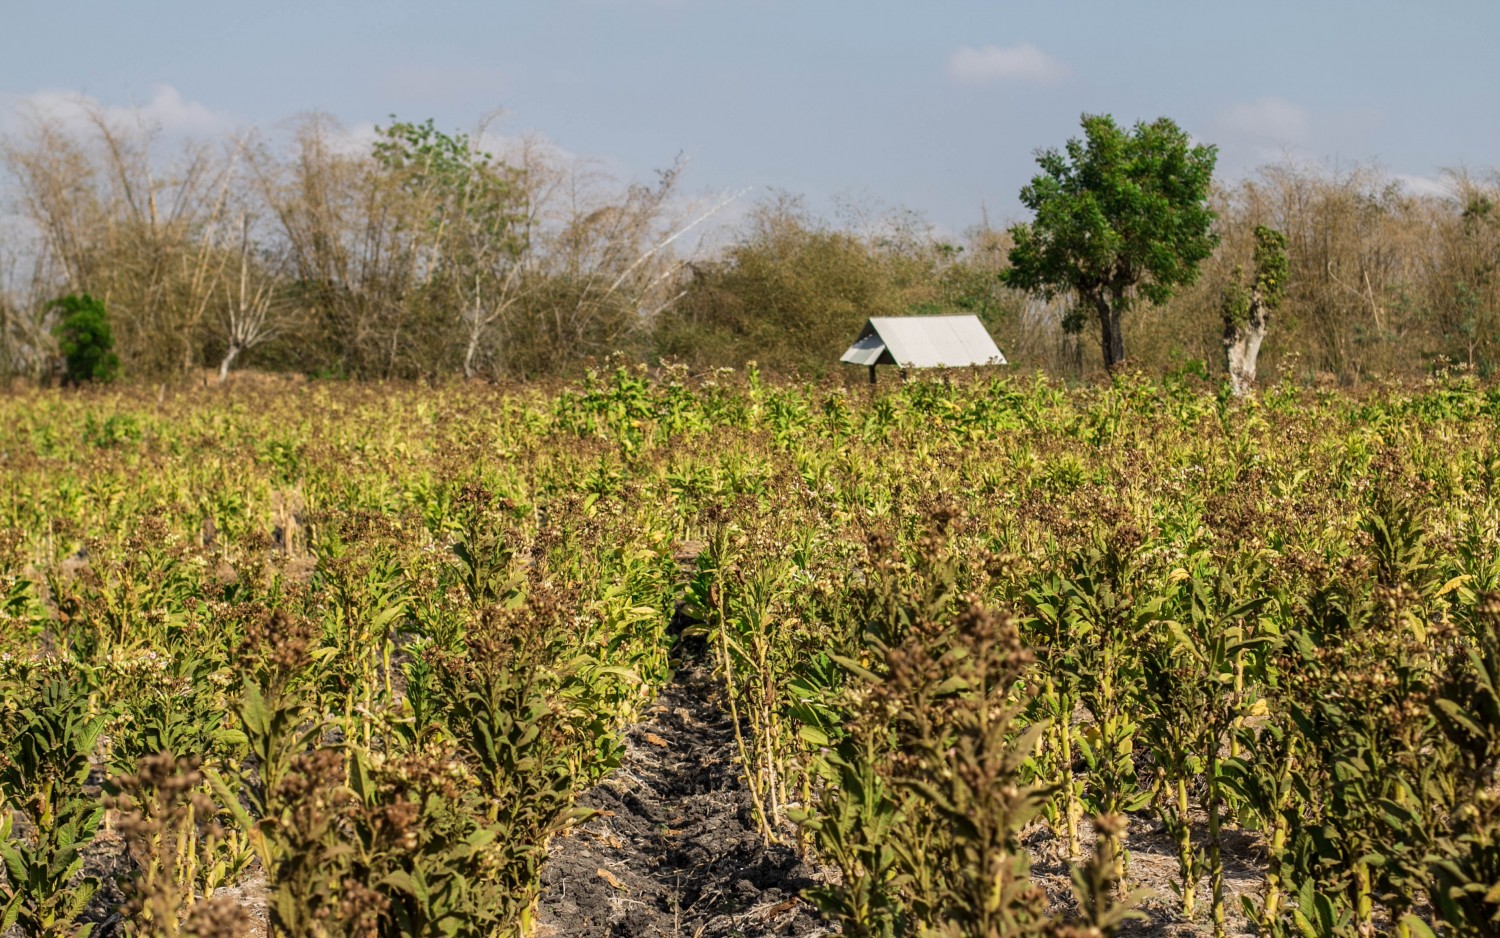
{"x": 1489, "y": 606}
{"x": 218, "y": 917}
{"x": 1113, "y": 825}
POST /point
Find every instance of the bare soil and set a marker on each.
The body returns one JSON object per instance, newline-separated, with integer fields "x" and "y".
{"x": 1152, "y": 871}
{"x": 674, "y": 849}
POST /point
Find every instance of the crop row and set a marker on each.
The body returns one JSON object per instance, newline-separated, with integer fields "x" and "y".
{"x": 357, "y": 649}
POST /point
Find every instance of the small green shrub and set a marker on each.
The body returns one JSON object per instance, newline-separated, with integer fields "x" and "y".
{"x": 85, "y": 339}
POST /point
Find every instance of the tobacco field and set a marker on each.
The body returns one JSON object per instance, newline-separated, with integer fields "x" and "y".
{"x": 979, "y": 657}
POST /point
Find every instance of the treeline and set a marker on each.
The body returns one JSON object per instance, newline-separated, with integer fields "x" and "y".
{"x": 417, "y": 254}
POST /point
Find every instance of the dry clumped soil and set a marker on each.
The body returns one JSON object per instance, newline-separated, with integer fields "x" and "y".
{"x": 674, "y": 850}
{"x": 1153, "y": 872}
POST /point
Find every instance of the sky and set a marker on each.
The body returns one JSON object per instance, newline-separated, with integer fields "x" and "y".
{"x": 937, "y": 107}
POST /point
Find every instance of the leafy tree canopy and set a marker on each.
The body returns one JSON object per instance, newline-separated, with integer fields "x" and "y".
{"x": 1118, "y": 213}
{"x": 462, "y": 183}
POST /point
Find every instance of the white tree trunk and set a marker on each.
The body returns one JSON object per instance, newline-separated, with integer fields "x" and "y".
{"x": 473, "y": 347}
{"x": 1242, "y": 346}
{"x": 229, "y": 357}
{"x": 1242, "y": 353}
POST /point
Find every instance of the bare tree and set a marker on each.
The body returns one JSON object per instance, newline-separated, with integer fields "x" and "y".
{"x": 487, "y": 251}
{"x": 1356, "y": 244}
{"x": 117, "y": 221}
{"x": 392, "y": 243}
{"x": 1464, "y": 280}
{"x": 248, "y": 306}
{"x": 27, "y": 346}
{"x": 608, "y": 260}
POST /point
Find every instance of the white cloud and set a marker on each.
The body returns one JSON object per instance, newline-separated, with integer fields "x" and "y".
{"x": 1424, "y": 186}
{"x": 1267, "y": 122}
{"x": 353, "y": 140}
{"x": 1022, "y": 62}
{"x": 1275, "y": 130}
{"x": 167, "y": 112}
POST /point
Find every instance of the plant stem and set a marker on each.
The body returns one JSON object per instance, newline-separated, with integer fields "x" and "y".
{"x": 1279, "y": 831}
{"x": 1185, "y": 850}
{"x": 1071, "y": 806}
{"x": 1215, "y": 853}
{"x": 752, "y": 777}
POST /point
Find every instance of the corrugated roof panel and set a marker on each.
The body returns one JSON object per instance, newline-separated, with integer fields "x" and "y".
{"x": 932, "y": 341}
{"x": 866, "y": 351}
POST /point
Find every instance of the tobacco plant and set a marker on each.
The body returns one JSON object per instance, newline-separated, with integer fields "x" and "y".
{"x": 927, "y": 817}
{"x": 43, "y": 784}
{"x": 1086, "y": 624}
{"x": 180, "y": 851}
{"x": 1196, "y": 692}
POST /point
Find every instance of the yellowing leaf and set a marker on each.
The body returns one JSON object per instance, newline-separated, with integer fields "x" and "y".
{"x": 1455, "y": 583}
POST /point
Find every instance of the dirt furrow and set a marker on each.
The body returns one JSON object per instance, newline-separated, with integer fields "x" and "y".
{"x": 673, "y": 850}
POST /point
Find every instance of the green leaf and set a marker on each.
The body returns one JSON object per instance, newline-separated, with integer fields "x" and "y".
{"x": 11, "y": 912}
{"x": 1416, "y": 927}
{"x": 854, "y": 667}
{"x": 401, "y": 881}
{"x": 812, "y": 735}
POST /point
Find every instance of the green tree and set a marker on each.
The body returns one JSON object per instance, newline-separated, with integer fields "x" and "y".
{"x": 455, "y": 181}
{"x": 1120, "y": 214}
{"x": 468, "y": 225}
{"x": 85, "y": 339}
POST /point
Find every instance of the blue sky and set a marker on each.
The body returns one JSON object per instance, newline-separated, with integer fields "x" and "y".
{"x": 934, "y": 106}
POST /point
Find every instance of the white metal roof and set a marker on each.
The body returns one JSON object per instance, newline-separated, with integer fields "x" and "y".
{"x": 924, "y": 342}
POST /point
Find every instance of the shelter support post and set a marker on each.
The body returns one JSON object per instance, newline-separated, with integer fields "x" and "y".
{"x": 872, "y": 375}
